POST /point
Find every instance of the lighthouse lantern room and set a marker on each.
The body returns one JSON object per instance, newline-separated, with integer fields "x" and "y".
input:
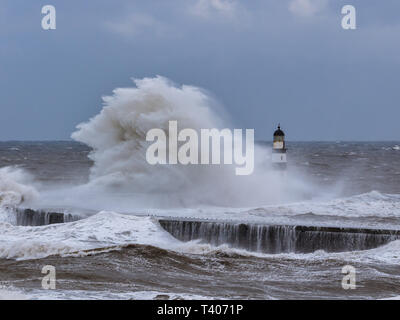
{"x": 279, "y": 149}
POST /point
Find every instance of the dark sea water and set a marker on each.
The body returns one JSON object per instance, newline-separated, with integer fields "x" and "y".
{"x": 365, "y": 166}
{"x": 126, "y": 254}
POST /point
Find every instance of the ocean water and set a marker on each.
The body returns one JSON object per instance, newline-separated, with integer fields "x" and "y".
{"x": 117, "y": 249}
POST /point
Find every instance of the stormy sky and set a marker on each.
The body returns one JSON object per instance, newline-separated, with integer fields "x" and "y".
{"x": 266, "y": 61}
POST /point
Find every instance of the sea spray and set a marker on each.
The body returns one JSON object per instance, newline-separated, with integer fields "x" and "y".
{"x": 117, "y": 136}
{"x": 15, "y": 189}
{"x": 15, "y": 186}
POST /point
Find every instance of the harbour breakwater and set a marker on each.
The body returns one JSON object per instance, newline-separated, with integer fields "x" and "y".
{"x": 279, "y": 238}
{"x": 29, "y": 217}
{"x": 257, "y": 237}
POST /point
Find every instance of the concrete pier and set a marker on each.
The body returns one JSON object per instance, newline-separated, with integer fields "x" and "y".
{"x": 279, "y": 238}
{"x": 29, "y": 217}
{"x": 258, "y": 237}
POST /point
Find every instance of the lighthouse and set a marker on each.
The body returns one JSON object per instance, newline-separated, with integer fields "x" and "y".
{"x": 279, "y": 149}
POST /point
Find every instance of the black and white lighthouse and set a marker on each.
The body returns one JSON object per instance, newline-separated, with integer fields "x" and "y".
{"x": 279, "y": 149}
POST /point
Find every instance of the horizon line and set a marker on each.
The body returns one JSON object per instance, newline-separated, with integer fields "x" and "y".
{"x": 256, "y": 141}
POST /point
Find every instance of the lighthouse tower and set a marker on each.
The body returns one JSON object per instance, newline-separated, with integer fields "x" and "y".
{"x": 279, "y": 149}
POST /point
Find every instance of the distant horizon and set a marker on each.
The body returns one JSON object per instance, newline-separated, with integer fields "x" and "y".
{"x": 256, "y": 141}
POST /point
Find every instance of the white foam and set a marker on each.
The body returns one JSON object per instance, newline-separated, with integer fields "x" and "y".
{"x": 386, "y": 254}
{"x": 392, "y": 298}
{"x": 11, "y": 293}
{"x": 15, "y": 187}
{"x": 112, "y": 295}
{"x": 101, "y": 231}
{"x": 8, "y": 293}
{"x": 373, "y": 203}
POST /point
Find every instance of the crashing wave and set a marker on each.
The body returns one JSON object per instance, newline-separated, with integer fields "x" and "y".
{"x": 371, "y": 204}
{"x": 103, "y": 230}
{"x": 14, "y": 187}
{"x": 117, "y": 136}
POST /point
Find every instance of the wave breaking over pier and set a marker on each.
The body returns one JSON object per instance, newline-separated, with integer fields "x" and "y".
{"x": 279, "y": 238}
{"x": 29, "y": 217}
{"x": 256, "y": 237}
